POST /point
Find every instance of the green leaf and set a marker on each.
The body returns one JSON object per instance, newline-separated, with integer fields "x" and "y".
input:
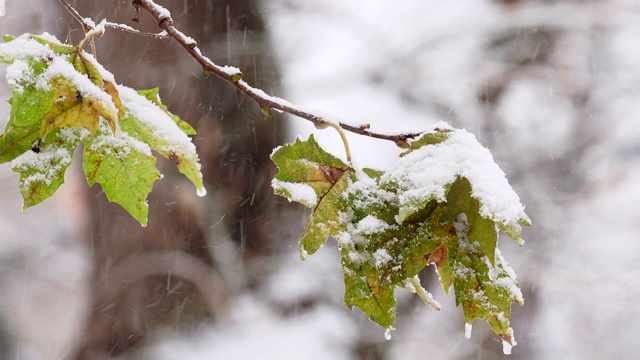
{"x": 325, "y": 220}
{"x": 59, "y": 91}
{"x": 56, "y": 46}
{"x": 147, "y": 122}
{"x": 153, "y": 95}
{"x": 28, "y": 105}
{"x": 373, "y": 173}
{"x": 42, "y": 171}
{"x": 429, "y": 138}
{"x": 390, "y": 225}
{"x": 125, "y": 169}
{"x": 311, "y": 176}
{"x": 84, "y": 66}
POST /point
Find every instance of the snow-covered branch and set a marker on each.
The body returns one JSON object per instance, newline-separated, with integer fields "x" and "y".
{"x": 233, "y": 76}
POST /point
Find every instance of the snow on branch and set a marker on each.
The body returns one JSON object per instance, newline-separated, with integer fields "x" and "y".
{"x": 233, "y": 75}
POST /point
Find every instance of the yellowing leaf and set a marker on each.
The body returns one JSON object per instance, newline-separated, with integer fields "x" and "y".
{"x": 310, "y": 175}
{"x": 60, "y": 98}
{"x": 71, "y": 109}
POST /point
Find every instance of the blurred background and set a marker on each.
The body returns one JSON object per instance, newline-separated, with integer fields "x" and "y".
{"x": 550, "y": 87}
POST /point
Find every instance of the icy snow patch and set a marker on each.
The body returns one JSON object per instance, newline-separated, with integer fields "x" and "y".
{"x": 47, "y": 162}
{"x": 381, "y": 257}
{"x": 424, "y": 173}
{"x": 371, "y": 225}
{"x": 467, "y": 330}
{"x": 299, "y": 192}
{"x": 24, "y": 47}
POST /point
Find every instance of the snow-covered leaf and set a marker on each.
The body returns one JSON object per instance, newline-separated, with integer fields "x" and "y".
{"x": 124, "y": 167}
{"x": 149, "y": 123}
{"x": 62, "y": 96}
{"x": 42, "y": 171}
{"x": 442, "y": 203}
{"x": 310, "y": 175}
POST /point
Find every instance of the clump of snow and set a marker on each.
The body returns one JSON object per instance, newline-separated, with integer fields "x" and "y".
{"x": 119, "y": 145}
{"x": 2, "y": 8}
{"x": 387, "y": 332}
{"x": 162, "y": 10}
{"x": 202, "y": 192}
{"x": 423, "y": 174}
{"x": 47, "y": 163}
{"x": 506, "y": 346}
{"x": 299, "y": 192}
{"x": 18, "y": 74}
{"x": 24, "y": 47}
{"x": 381, "y": 257}
{"x": 467, "y": 330}
{"x": 371, "y": 225}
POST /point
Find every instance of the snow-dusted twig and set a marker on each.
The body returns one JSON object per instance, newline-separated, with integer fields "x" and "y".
{"x": 234, "y": 77}
{"x": 88, "y": 25}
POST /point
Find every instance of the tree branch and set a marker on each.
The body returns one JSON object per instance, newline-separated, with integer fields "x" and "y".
{"x": 233, "y": 76}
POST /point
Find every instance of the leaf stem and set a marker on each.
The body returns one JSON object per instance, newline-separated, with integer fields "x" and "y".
{"x": 424, "y": 294}
{"x": 343, "y": 136}
{"x": 97, "y": 31}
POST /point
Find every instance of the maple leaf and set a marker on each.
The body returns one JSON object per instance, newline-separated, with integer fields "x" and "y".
{"x": 153, "y": 95}
{"x": 42, "y": 170}
{"x": 466, "y": 258}
{"x": 150, "y": 122}
{"x": 72, "y": 109}
{"x": 28, "y": 105}
{"x": 315, "y": 178}
{"x": 62, "y": 96}
{"x": 124, "y": 167}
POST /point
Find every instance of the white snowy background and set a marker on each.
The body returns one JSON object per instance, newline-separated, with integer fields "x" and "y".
{"x": 565, "y": 127}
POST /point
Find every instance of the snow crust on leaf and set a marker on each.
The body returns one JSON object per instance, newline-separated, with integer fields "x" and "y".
{"x": 60, "y": 67}
{"x": 297, "y": 192}
{"x": 424, "y": 173}
{"x": 442, "y": 203}
{"x": 42, "y": 173}
{"x": 24, "y": 47}
{"x": 147, "y": 122}
{"x": 124, "y": 167}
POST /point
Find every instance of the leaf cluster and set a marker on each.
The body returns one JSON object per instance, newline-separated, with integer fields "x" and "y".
{"x": 390, "y": 225}
{"x": 62, "y": 97}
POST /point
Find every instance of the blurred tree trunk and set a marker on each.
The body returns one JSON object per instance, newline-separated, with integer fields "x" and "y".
{"x": 164, "y": 276}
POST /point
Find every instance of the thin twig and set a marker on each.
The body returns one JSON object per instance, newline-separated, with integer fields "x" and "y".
{"x": 126, "y": 28}
{"x": 233, "y": 76}
{"x": 85, "y": 25}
